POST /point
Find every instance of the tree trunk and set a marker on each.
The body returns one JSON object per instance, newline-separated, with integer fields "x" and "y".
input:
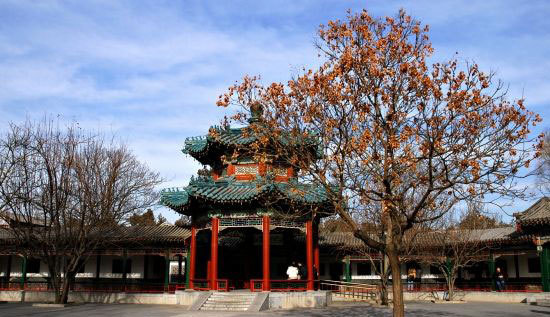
{"x": 58, "y": 293}
{"x": 397, "y": 287}
{"x": 64, "y": 294}
{"x": 451, "y": 286}
{"x": 55, "y": 282}
{"x": 384, "y": 277}
{"x": 384, "y": 291}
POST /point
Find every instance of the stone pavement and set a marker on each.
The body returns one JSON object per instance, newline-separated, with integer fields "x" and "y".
{"x": 344, "y": 310}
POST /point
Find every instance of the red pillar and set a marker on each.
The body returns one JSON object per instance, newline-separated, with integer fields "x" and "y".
{"x": 316, "y": 262}
{"x": 193, "y": 255}
{"x": 309, "y": 251}
{"x": 214, "y": 254}
{"x": 266, "y": 258}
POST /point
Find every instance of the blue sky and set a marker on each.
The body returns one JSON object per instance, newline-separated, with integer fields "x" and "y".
{"x": 150, "y": 71}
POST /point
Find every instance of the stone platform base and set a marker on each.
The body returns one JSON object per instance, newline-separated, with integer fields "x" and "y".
{"x": 289, "y": 300}
{"x": 277, "y": 300}
{"x": 492, "y": 297}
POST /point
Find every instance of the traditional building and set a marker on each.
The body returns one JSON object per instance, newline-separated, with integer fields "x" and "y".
{"x": 138, "y": 258}
{"x": 255, "y": 206}
{"x": 154, "y": 259}
{"x": 535, "y": 224}
{"x": 251, "y": 218}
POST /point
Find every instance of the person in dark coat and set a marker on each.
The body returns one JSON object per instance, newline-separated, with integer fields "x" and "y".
{"x": 302, "y": 271}
{"x": 499, "y": 277}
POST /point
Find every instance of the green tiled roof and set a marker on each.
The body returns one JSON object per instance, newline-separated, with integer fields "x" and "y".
{"x": 229, "y": 191}
{"x": 219, "y": 139}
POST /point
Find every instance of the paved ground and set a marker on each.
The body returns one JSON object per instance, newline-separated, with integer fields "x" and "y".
{"x": 344, "y": 310}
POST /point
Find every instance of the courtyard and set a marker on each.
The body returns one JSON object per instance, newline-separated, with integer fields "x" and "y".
{"x": 338, "y": 309}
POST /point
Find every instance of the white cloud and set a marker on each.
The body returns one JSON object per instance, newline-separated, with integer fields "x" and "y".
{"x": 150, "y": 72}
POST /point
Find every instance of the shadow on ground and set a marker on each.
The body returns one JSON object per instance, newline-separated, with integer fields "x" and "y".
{"x": 358, "y": 310}
{"x": 422, "y": 310}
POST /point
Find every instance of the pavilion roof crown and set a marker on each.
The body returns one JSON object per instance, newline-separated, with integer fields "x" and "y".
{"x": 208, "y": 149}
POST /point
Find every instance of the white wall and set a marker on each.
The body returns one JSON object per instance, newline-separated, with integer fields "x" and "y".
{"x": 138, "y": 268}
{"x": 523, "y": 268}
{"x": 17, "y": 261}
{"x": 106, "y": 267}
{"x": 3, "y": 265}
{"x": 89, "y": 267}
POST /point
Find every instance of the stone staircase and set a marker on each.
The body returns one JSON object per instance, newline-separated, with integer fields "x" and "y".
{"x": 229, "y": 301}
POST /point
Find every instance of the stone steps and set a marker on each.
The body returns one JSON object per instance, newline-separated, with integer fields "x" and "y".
{"x": 228, "y": 301}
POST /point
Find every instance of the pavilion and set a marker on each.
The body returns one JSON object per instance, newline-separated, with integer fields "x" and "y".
{"x": 240, "y": 198}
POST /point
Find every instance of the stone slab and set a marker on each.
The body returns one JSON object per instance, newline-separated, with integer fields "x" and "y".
{"x": 201, "y": 298}
{"x": 260, "y": 302}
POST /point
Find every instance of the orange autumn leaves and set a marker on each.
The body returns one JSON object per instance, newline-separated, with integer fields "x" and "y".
{"x": 382, "y": 111}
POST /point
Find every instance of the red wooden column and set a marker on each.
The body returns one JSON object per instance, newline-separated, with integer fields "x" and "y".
{"x": 309, "y": 251}
{"x": 193, "y": 255}
{"x": 214, "y": 254}
{"x": 316, "y": 262}
{"x": 266, "y": 248}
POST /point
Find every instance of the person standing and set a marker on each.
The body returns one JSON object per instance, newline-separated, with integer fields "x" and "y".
{"x": 411, "y": 276}
{"x": 292, "y": 271}
{"x": 499, "y": 275}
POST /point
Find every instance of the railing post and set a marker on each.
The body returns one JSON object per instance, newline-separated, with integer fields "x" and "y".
{"x": 97, "y": 267}
{"x": 316, "y": 262}
{"x": 214, "y": 253}
{"x": 347, "y": 269}
{"x": 8, "y": 272}
{"x": 180, "y": 268}
{"x": 23, "y": 272}
{"x": 124, "y": 271}
{"x": 266, "y": 251}
{"x": 545, "y": 268}
{"x": 192, "y": 255}
{"x": 187, "y": 265}
{"x": 491, "y": 264}
{"x": 309, "y": 251}
{"x": 166, "y": 271}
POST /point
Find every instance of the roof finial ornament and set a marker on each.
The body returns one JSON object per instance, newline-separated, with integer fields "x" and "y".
{"x": 256, "y": 112}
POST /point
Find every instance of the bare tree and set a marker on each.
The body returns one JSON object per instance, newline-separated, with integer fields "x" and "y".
{"x": 393, "y": 129}
{"x": 452, "y": 248}
{"x": 65, "y": 190}
{"x": 146, "y": 219}
{"x": 543, "y": 167}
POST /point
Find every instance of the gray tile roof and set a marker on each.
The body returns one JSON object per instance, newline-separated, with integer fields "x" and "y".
{"x": 433, "y": 238}
{"x": 537, "y": 214}
{"x": 149, "y": 234}
{"x": 162, "y": 233}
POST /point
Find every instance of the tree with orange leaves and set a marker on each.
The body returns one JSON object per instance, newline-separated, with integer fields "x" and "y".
{"x": 402, "y": 140}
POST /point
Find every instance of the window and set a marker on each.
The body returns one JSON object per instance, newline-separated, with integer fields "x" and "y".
{"x": 33, "y": 265}
{"x": 533, "y": 265}
{"x": 434, "y": 269}
{"x": 364, "y": 268}
{"x": 81, "y": 266}
{"x": 118, "y": 268}
{"x": 322, "y": 269}
{"x": 335, "y": 270}
{"x": 246, "y": 169}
